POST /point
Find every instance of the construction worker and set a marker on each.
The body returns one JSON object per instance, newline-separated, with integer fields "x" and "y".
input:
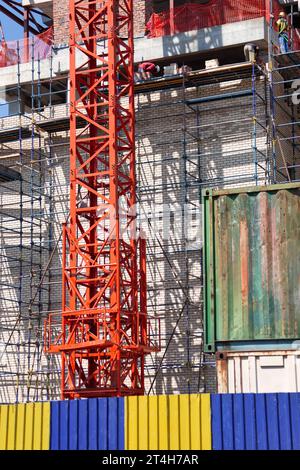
{"x": 283, "y": 36}
{"x": 148, "y": 70}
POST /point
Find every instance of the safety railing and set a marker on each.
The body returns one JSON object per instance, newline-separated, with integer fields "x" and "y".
{"x": 58, "y": 337}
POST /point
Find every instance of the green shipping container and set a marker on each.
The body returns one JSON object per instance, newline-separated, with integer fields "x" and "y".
{"x": 252, "y": 266}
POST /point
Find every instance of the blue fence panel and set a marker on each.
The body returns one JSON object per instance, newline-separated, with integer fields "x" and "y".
{"x": 261, "y": 423}
{"x": 256, "y": 421}
{"x": 295, "y": 420}
{"x": 73, "y": 426}
{"x": 94, "y": 424}
{"x": 54, "y": 426}
{"x": 239, "y": 435}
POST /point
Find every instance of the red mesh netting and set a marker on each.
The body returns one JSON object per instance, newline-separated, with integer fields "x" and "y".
{"x": 217, "y": 12}
{"x": 37, "y": 47}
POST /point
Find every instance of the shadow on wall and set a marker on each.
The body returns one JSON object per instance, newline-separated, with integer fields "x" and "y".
{"x": 9, "y": 293}
{"x": 25, "y": 372}
{"x": 20, "y": 339}
{"x": 57, "y": 178}
{"x": 171, "y": 270}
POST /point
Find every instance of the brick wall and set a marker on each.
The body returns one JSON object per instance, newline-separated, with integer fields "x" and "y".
{"x": 142, "y": 12}
{"x": 61, "y": 21}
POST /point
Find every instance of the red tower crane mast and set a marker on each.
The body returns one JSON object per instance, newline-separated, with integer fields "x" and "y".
{"x": 103, "y": 333}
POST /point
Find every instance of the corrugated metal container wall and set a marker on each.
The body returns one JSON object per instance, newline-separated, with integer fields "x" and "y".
{"x": 258, "y": 372}
{"x": 252, "y": 264}
{"x": 256, "y": 422}
{"x": 175, "y": 422}
{"x": 25, "y": 427}
{"x": 94, "y": 424}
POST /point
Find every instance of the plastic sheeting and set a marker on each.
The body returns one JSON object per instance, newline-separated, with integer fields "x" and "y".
{"x": 191, "y": 16}
{"x": 24, "y": 50}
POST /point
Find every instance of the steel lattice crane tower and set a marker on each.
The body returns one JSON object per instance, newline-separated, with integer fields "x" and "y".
{"x": 103, "y": 331}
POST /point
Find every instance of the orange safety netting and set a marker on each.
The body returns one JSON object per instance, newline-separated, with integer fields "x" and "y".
{"x": 24, "y": 50}
{"x": 217, "y": 12}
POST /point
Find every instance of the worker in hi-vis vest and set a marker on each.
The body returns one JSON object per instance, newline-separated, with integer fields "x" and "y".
{"x": 283, "y": 28}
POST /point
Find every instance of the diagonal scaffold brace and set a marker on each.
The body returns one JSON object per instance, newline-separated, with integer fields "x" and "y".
{"x": 103, "y": 333}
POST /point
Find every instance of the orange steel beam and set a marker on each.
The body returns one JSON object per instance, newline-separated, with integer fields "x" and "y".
{"x": 104, "y": 333}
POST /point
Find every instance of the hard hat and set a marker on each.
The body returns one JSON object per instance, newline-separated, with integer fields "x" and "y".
{"x": 282, "y": 13}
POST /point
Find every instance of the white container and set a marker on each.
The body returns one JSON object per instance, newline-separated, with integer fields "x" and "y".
{"x": 212, "y": 63}
{"x": 258, "y": 372}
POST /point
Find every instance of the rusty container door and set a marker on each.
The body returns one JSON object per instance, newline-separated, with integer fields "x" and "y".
{"x": 252, "y": 267}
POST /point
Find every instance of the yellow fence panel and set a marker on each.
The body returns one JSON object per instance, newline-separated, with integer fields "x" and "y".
{"x": 175, "y": 422}
{"x": 25, "y": 427}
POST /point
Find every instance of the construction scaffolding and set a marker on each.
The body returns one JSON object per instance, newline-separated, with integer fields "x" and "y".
{"x": 235, "y": 125}
{"x": 284, "y": 82}
{"x": 28, "y": 234}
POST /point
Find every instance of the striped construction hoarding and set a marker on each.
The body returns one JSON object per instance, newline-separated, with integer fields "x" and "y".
{"x": 175, "y": 422}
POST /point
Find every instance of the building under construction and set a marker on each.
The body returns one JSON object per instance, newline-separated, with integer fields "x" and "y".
{"x": 212, "y": 118}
